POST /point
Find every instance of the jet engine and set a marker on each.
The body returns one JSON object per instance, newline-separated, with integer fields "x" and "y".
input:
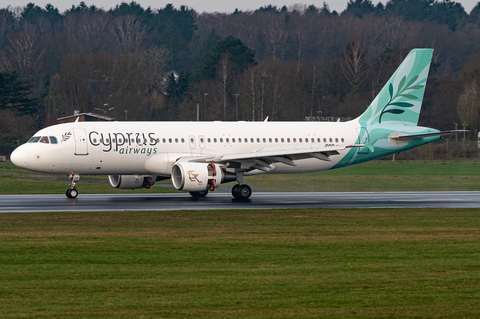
{"x": 195, "y": 177}
{"x": 132, "y": 181}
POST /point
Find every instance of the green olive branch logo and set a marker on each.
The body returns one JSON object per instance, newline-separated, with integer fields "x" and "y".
{"x": 402, "y": 88}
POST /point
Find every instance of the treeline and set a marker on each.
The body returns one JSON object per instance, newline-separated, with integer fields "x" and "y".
{"x": 288, "y": 63}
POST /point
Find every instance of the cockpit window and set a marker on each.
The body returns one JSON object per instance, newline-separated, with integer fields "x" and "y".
{"x": 34, "y": 139}
{"x": 43, "y": 139}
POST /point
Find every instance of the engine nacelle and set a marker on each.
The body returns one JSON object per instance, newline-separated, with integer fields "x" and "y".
{"x": 195, "y": 177}
{"x": 132, "y": 181}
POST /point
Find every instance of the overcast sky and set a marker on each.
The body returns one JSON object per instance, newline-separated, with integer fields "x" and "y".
{"x": 202, "y": 5}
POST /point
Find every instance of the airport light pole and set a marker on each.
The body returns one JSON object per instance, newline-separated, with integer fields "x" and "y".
{"x": 204, "y": 105}
{"x": 236, "y": 104}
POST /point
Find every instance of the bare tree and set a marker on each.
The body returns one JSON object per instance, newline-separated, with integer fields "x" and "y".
{"x": 251, "y": 79}
{"x": 354, "y": 66}
{"x": 224, "y": 77}
{"x": 24, "y": 54}
{"x": 275, "y": 36}
{"x": 87, "y": 31}
{"x": 468, "y": 106}
{"x": 128, "y": 31}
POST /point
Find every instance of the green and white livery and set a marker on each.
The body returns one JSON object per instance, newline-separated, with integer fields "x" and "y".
{"x": 389, "y": 125}
{"x": 199, "y": 156}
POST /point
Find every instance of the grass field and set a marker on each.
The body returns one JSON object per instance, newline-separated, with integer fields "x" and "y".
{"x": 402, "y": 263}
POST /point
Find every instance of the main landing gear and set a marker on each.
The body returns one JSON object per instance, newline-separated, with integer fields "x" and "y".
{"x": 241, "y": 190}
{"x": 72, "y": 191}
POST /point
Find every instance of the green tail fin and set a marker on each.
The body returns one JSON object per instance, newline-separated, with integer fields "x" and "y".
{"x": 400, "y": 100}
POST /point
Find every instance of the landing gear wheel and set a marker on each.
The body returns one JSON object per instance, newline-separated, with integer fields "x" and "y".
{"x": 241, "y": 191}
{"x": 199, "y": 194}
{"x": 71, "y": 193}
{"x": 235, "y": 189}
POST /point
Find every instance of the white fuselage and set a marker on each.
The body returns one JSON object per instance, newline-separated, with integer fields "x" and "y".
{"x": 104, "y": 148}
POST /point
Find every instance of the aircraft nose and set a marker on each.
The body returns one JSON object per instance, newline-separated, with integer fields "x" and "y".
{"x": 19, "y": 157}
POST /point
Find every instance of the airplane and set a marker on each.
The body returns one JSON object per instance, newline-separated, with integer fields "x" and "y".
{"x": 199, "y": 156}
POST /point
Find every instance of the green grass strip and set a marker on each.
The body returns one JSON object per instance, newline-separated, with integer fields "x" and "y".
{"x": 358, "y": 263}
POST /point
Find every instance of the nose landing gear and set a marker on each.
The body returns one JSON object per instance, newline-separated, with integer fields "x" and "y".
{"x": 72, "y": 191}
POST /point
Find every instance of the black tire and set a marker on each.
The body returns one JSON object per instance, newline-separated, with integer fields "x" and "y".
{"x": 71, "y": 193}
{"x": 235, "y": 189}
{"x": 241, "y": 191}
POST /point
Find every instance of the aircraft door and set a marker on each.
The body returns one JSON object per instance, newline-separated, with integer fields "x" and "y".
{"x": 363, "y": 138}
{"x": 80, "y": 141}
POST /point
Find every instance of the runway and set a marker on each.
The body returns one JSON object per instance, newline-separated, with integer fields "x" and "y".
{"x": 259, "y": 200}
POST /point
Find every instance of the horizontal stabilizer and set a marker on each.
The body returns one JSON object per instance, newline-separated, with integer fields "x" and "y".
{"x": 404, "y": 136}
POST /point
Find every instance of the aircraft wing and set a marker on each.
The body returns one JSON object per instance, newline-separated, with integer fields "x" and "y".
{"x": 263, "y": 159}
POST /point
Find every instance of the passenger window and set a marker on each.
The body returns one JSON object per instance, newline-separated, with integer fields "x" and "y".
{"x": 300, "y": 140}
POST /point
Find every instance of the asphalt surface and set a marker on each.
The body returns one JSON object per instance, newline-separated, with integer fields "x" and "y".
{"x": 259, "y": 200}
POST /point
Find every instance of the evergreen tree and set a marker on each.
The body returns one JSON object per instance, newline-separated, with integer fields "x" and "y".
{"x": 359, "y": 8}
{"x": 239, "y": 55}
{"x": 15, "y": 94}
{"x": 177, "y": 89}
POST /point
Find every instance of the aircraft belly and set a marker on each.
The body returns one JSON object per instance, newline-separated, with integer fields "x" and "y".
{"x": 307, "y": 165}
